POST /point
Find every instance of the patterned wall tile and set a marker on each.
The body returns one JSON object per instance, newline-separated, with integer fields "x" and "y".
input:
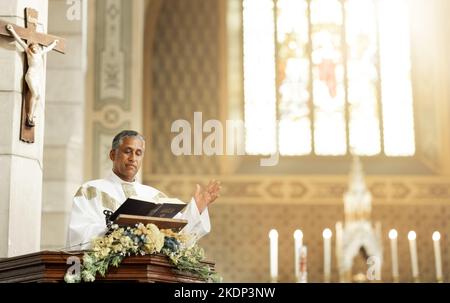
{"x": 185, "y": 79}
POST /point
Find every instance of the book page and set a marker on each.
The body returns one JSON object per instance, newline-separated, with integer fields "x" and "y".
{"x": 140, "y": 198}
{"x": 170, "y": 201}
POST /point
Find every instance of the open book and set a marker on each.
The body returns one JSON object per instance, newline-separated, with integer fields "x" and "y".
{"x": 135, "y": 210}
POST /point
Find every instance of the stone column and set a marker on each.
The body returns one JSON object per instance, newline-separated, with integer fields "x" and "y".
{"x": 20, "y": 163}
{"x": 64, "y": 125}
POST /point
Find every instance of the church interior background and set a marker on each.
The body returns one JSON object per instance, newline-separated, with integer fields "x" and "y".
{"x": 143, "y": 64}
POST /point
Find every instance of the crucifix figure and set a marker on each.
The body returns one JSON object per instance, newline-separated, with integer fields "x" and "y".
{"x": 34, "y": 74}
{"x": 34, "y": 65}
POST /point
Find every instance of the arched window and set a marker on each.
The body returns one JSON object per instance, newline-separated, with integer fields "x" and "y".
{"x": 327, "y": 77}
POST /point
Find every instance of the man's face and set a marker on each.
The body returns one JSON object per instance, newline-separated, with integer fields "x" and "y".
{"x": 127, "y": 159}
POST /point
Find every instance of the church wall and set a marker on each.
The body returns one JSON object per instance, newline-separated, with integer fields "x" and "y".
{"x": 114, "y": 78}
{"x": 429, "y": 49}
{"x": 239, "y": 240}
{"x": 187, "y": 76}
{"x": 64, "y": 127}
{"x": 251, "y": 205}
{"x": 184, "y": 80}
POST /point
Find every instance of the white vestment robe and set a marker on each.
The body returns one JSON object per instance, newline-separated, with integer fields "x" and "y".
{"x": 87, "y": 220}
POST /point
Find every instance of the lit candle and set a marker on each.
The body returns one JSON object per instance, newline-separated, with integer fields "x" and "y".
{"x": 338, "y": 243}
{"x": 326, "y": 254}
{"x": 298, "y": 243}
{"x": 273, "y": 237}
{"x": 437, "y": 256}
{"x": 413, "y": 252}
{"x": 303, "y": 265}
{"x": 393, "y": 236}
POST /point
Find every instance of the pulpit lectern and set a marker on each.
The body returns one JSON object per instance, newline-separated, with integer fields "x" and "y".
{"x": 51, "y": 266}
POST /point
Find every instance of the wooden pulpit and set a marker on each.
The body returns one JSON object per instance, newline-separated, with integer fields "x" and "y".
{"x": 51, "y": 266}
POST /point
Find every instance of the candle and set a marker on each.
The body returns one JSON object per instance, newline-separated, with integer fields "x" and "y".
{"x": 437, "y": 256}
{"x": 273, "y": 237}
{"x": 326, "y": 254}
{"x": 303, "y": 275}
{"x": 338, "y": 244}
{"x": 413, "y": 252}
{"x": 298, "y": 243}
{"x": 394, "y": 253}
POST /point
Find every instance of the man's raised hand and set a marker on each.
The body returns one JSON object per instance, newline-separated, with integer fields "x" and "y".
{"x": 205, "y": 195}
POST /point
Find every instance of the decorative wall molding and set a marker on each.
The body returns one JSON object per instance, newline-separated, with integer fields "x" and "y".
{"x": 114, "y": 72}
{"x": 304, "y": 189}
{"x": 112, "y": 53}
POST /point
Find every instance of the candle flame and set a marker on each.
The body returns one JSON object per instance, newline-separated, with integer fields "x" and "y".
{"x": 393, "y": 234}
{"x": 298, "y": 234}
{"x": 436, "y": 236}
{"x": 412, "y": 235}
{"x": 273, "y": 234}
{"x": 327, "y": 233}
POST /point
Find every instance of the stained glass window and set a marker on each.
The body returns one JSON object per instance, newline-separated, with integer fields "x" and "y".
{"x": 259, "y": 78}
{"x": 327, "y": 77}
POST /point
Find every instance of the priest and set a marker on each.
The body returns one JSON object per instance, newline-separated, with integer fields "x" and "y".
{"x": 87, "y": 219}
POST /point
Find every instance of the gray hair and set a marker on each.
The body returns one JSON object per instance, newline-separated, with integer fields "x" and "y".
{"x": 118, "y": 139}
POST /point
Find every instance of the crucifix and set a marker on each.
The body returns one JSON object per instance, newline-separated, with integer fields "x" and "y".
{"x": 38, "y": 45}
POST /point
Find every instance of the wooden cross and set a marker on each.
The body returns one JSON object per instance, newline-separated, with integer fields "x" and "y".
{"x": 30, "y": 35}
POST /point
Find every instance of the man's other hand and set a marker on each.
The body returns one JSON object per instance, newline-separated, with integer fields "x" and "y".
{"x": 205, "y": 195}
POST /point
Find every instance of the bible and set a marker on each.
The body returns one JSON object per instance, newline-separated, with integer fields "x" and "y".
{"x": 135, "y": 210}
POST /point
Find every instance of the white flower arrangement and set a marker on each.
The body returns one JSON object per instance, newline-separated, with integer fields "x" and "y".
{"x": 142, "y": 240}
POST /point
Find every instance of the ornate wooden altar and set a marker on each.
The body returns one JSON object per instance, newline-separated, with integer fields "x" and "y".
{"x": 51, "y": 266}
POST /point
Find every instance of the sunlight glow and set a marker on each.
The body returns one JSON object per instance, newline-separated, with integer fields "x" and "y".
{"x": 317, "y": 72}
{"x": 293, "y": 76}
{"x": 259, "y": 77}
{"x": 328, "y": 78}
{"x": 396, "y": 90}
{"x": 362, "y": 75}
